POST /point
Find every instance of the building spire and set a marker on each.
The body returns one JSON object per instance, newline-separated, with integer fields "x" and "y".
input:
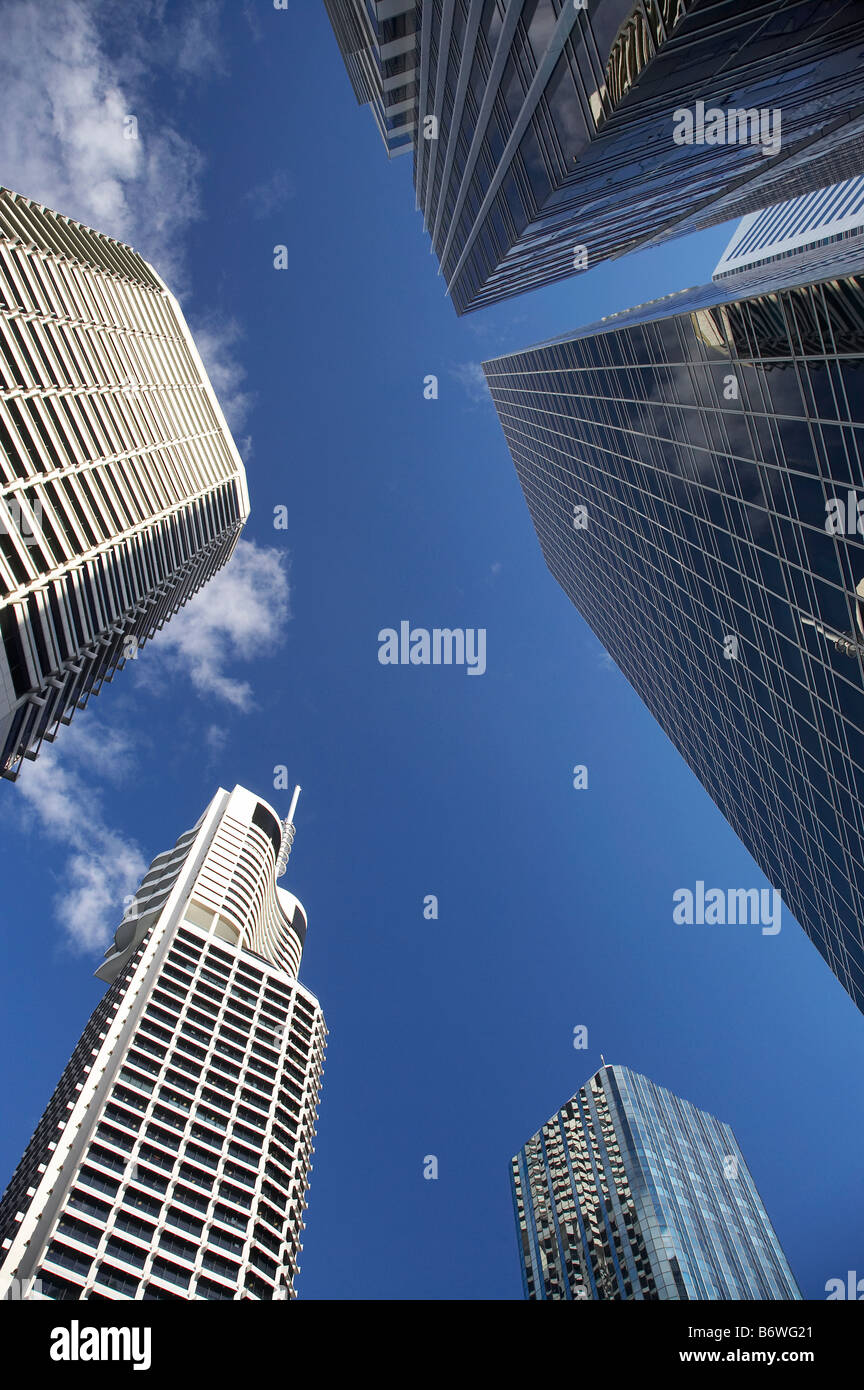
{"x": 287, "y": 835}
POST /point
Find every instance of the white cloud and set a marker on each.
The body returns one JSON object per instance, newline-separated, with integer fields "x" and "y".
{"x": 216, "y": 339}
{"x": 216, "y": 737}
{"x": 198, "y": 52}
{"x": 62, "y": 138}
{"x": 473, "y": 381}
{"x": 267, "y": 197}
{"x": 239, "y": 615}
{"x": 70, "y": 82}
{"x": 102, "y": 865}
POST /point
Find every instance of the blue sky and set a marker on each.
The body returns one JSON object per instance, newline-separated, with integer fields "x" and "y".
{"x": 450, "y": 1037}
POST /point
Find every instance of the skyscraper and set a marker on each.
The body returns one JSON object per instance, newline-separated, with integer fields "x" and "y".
{"x": 378, "y": 43}
{"x": 693, "y": 469}
{"x": 799, "y": 227}
{"x": 172, "y": 1160}
{"x": 121, "y": 489}
{"x": 549, "y": 135}
{"x": 630, "y": 1193}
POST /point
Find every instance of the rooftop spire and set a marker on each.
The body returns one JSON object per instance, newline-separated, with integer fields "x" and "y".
{"x": 287, "y": 835}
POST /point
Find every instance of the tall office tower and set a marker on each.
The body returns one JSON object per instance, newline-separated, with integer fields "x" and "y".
{"x": 715, "y": 443}
{"x": 378, "y": 43}
{"x": 799, "y": 227}
{"x": 549, "y": 135}
{"x": 121, "y": 489}
{"x": 630, "y": 1193}
{"x": 173, "y": 1158}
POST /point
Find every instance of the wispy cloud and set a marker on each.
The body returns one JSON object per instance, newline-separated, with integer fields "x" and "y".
{"x": 216, "y": 737}
{"x": 217, "y": 339}
{"x": 239, "y": 615}
{"x": 272, "y": 194}
{"x": 102, "y": 866}
{"x": 473, "y": 382}
{"x": 199, "y": 51}
{"x": 64, "y": 135}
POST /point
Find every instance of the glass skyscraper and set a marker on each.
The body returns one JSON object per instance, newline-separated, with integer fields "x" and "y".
{"x": 541, "y": 127}
{"x": 172, "y": 1160}
{"x": 121, "y": 489}
{"x": 630, "y": 1193}
{"x": 714, "y": 441}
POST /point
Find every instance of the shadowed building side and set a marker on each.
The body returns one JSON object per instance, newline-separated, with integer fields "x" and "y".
{"x": 540, "y": 127}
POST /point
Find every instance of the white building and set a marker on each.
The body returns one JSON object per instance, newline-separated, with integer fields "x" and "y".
{"x": 172, "y": 1160}
{"x": 829, "y": 217}
{"x": 121, "y": 489}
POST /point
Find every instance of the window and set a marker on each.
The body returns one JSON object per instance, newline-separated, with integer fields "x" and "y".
{"x": 217, "y": 1264}
{"x": 118, "y": 1280}
{"x": 239, "y": 1174}
{"x": 79, "y": 1230}
{"x": 206, "y": 1288}
{"x": 75, "y": 1260}
{"x": 236, "y": 1195}
{"x": 171, "y": 1273}
{"x": 190, "y": 1199}
{"x": 122, "y": 1250}
{"x": 114, "y": 1136}
{"x": 226, "y": 1241}
{"x": 100, "y": 1155}
{"x": 135, "y": 1227}
{"x": 184, "y": 1221}
{"x": 230, "y": 1218}
{"x": 82, "y": 1201}
{"x": 175, "y": 1245}
{"x": 202, "y": 1156}
{"x": 141, "y": 1201}
{"x": 52, "y": 1286}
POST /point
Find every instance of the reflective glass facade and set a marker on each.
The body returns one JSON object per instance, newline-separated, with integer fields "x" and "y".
{"x": 707, "y": 436}
{"x": 538, "y": 126}
{"x": 630, "y": 1193}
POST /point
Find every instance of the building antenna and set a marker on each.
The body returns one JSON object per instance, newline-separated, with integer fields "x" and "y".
{"x": 288, "y": 831}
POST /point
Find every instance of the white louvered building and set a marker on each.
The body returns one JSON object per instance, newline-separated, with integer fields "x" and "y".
{"x": 173, "y": 1159}
{"x": 121, "y": 488}
{"x": 802, "y": 226}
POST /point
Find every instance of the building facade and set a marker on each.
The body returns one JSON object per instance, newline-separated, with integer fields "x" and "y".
{"x": 693, "y": 470}
{"x": 548, "y": 135}
{"x": 173, "y": 1158}
{"x": 378, "y": 43}
{"x": 121, "y": 489}
{"x": 630, "y": 1193}
{"x": 798, "y": 227}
